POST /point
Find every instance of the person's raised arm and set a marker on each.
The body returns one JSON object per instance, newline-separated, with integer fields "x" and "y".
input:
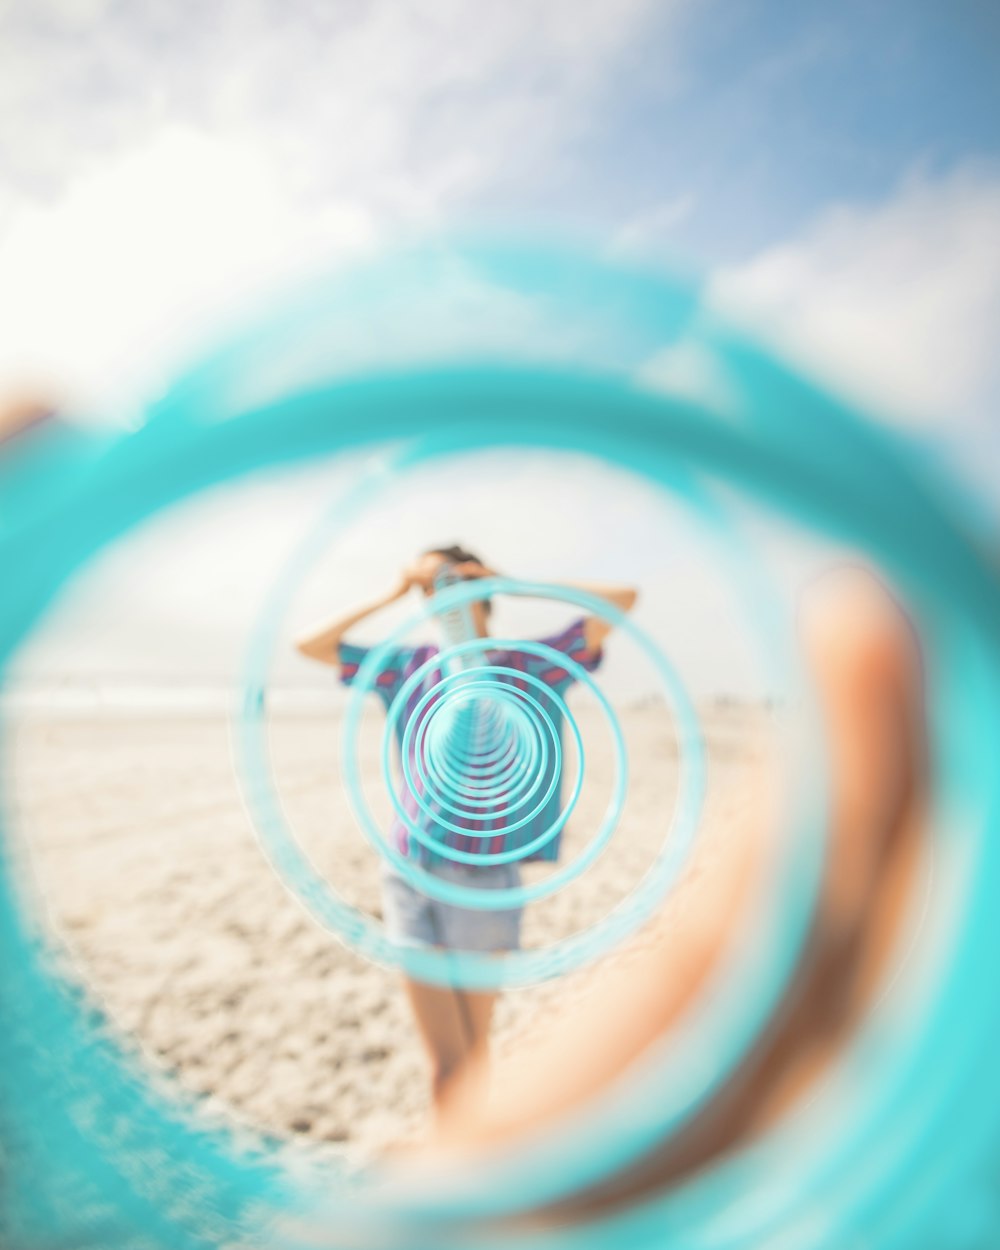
{"x": 595, "y": 628}
{"x": 322, "y": 642}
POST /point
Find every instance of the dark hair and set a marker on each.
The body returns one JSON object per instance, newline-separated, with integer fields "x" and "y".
{"x": 454, "y": 554}
{"x": 460, "y": 555}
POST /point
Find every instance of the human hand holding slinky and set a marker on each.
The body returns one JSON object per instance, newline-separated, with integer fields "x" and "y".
{"x": 865, "y": 662}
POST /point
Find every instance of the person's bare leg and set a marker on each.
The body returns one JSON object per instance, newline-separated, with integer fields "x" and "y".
{"x": 471, "y": 1084}
{"x": 478, "y": 1016}
{"x": 442, "y": 1023}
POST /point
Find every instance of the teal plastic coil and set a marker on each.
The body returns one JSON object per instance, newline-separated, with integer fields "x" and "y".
{"x": 99, "y": 1153}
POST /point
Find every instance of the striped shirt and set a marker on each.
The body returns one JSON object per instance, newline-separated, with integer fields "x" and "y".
{"x": 400, "y": 663}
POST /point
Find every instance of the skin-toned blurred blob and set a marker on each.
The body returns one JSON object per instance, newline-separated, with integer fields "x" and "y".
{"x": 865, "y": 661}
{"x": 22, "y": 410}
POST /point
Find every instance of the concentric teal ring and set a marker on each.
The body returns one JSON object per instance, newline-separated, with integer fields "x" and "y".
{"x": 334, "y": 911}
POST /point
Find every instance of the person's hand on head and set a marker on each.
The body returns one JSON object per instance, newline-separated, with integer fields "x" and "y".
{"x": 420, "y": 574}
{"x": 472, "y": 569}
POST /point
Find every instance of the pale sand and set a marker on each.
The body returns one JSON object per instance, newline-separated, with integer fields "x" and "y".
{"x": 153, "y": 879}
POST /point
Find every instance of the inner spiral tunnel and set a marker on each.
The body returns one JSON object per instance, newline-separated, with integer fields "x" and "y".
{"x": 481, "y": 758}
{"x": 480, "y": 752}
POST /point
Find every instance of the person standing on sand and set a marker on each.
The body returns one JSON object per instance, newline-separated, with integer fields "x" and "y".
{"x": 454, "y": 1023}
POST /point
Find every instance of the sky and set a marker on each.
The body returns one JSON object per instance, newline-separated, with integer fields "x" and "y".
{"x": 829, "y": 173}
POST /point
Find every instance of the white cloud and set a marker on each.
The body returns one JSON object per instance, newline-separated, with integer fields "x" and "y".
{"x": 407, "y": 105}
{"x": 156, "y": 166}
{"x": 109, "y": 284}
{"x": 897, "y": 305}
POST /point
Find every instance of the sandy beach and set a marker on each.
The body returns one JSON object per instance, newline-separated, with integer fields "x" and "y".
{"x": 149, "y": 875}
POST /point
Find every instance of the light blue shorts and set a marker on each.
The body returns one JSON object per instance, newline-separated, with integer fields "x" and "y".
{"x": 413, "y": 919}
